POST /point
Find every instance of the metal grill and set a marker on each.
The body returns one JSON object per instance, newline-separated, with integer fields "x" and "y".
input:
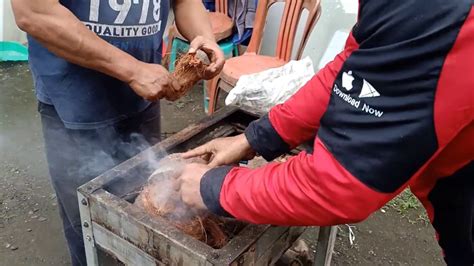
{"x": 113, "y": 224}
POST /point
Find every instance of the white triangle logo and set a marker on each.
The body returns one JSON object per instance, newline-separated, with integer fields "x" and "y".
{"x": 368, "y": 91}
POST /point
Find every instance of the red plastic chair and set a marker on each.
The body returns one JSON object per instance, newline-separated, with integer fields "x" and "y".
{"x": 251, "y": 61}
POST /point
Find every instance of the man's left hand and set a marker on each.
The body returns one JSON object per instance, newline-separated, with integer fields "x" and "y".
{"x": 190, "y": 185}
{"x": 213, "y": 51}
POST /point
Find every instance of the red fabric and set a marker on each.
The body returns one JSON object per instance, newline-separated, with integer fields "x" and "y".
{"x": 305, "y": 190}
{"x": 454, "y": 100}
{"x": 308, "y": 189}
{"x": 454, "y": 109}
{"x": 303, "y": 111}
{"x": 316, "y": 189}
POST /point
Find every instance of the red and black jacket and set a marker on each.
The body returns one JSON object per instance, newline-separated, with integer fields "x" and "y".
{"x": 394, "y": 109}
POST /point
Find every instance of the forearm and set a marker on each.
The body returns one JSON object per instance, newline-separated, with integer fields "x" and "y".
{"x": 305, "y": 190}
{"x": 63, "y": 34}
{"x": 192, "y": 19}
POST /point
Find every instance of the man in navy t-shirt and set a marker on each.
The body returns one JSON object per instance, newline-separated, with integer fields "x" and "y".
{"x": 97, "y": 76}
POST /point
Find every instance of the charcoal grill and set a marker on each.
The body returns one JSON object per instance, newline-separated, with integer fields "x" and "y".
{"x": 111, "y": 223}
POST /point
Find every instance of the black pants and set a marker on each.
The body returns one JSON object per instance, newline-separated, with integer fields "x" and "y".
{"x": 77, "y": 156}
{"x": 453, "y": 204}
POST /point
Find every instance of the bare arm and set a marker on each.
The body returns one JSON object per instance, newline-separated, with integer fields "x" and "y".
{"x": 61, "y": 32}
{"x": 193, "y": 23}
{"x": 192, "y": 20}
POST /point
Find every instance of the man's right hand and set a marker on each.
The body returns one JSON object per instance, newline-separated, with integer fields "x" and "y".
{"x": 152, "y": 81}
{"x": 223, "y": 151}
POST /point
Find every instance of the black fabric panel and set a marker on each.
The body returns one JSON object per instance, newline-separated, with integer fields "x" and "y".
{"x": 453, "y": 202}
{"x": 383, "y": 140}
{"x": 211, "y": 186}
{"x": 265, "y": 140}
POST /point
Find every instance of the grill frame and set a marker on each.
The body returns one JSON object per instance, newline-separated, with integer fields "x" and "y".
{"x": 113, "y": 224}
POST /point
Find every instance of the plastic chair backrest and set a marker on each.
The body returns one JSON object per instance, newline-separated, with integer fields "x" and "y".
{"x": 221, "y": 6}
{"x": 288, "y": 26}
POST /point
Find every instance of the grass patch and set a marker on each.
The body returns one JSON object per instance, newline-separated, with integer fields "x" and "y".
{"x": 404, "y": 202}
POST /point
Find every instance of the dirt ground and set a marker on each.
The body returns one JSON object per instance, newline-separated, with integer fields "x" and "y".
{"x": 30, "y": 228}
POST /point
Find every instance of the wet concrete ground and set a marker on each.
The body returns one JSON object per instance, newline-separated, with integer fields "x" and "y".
{"x": 31, "y": 231}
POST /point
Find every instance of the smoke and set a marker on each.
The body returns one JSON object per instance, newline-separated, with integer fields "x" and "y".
{"x": 77, "y": 157}
{"x": 103, "y": 151}
{"x": 82, "y": 157}
{"x": 162, "y": 190}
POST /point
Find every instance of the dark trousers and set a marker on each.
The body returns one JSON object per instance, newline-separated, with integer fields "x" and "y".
{"x": 77, "y": 156}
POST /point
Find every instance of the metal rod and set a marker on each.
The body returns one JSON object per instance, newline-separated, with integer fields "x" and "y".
{"x": 89, "y": 242}
{"x": 325, "y": 246}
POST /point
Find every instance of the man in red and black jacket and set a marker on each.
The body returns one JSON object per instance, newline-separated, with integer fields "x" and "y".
{"x": 394, "y": 110}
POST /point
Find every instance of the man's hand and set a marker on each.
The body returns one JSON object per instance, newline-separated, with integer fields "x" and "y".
{"x": 152, "y": 81}
{"x": 190, "y": 185}
{"x": 223, "y": 151}
{"x": 193, "y": 23}
{"x": 214, "y": 53}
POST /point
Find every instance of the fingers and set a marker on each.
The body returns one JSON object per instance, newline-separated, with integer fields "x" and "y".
{"x": 217, "y": 64}
{"x": 216, "y": 57}
{"x": 173, "y": 83}
{"x": 214, "y": 53}
{"x": 215, "y": 162}
{"x": 207, "y": 157}
{"x": 196, "y": 44}
{"x": 171, "y": 89}
{"x": 155, "y": 96}
{"x": 220, "y": 60}
{"x": 165, "y": 86}
{"x": 199, "y": 151}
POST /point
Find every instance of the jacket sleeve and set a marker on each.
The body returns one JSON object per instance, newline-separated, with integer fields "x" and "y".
{"x": 305, "y": 190}
{"x": 297, "y": 120}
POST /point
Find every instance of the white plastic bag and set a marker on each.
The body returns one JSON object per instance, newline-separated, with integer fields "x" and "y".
{"x": 268, "y": 88}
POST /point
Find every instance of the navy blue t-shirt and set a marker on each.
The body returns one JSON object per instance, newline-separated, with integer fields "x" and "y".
{"x": 85, "y": 98}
